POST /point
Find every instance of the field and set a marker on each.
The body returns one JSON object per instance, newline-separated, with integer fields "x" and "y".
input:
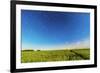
{"x": 28, "y": 56}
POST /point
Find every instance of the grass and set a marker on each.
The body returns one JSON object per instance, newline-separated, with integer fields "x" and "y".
{"x": 28, "y": 56}
{"x": 85, "y": 53}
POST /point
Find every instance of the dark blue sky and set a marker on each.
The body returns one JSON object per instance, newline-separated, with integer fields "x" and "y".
{"x": 50, "y": 28}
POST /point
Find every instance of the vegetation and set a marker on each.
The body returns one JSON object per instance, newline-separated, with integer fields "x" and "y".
{"x": 28, "y": 56}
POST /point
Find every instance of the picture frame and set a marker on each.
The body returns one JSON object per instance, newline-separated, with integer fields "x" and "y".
{"x": 54, "y": 11}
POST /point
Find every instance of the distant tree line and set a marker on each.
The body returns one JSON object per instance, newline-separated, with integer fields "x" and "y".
{"x": 31, "y": 50}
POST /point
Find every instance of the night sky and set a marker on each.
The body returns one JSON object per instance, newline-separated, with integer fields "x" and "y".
{"x": 49, "y": 28}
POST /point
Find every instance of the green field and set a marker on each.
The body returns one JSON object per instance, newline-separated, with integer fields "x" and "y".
{"x": 28, "y": 56}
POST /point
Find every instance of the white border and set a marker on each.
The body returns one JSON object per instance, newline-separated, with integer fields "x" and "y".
{"x": 20, "y": 65}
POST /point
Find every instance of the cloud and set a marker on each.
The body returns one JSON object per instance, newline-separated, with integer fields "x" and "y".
{"x": 85, "y": 43}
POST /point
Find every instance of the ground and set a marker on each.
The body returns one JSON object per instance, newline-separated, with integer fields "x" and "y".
{"x": 28, "y": 56}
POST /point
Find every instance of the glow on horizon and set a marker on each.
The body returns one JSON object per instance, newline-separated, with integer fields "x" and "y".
{"x": 85, "y": 43}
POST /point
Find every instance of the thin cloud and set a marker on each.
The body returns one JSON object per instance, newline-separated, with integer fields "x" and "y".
{"x": 85, "y": 43}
